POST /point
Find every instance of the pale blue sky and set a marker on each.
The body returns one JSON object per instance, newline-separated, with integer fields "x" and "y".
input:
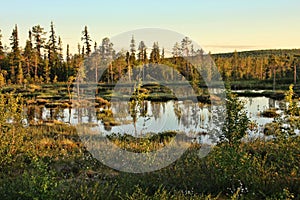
{"x": 217, "y": 25}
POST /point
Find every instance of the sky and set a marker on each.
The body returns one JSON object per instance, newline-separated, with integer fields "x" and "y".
{"x": 217, "y": 25}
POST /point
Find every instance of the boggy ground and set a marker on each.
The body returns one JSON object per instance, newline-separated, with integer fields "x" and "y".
{"x": 50, "y": 162}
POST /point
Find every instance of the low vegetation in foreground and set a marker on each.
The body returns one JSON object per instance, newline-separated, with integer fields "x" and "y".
{"x": 51, "y": 162}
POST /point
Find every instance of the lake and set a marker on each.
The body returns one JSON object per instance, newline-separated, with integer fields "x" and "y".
{"x": 151, "y": 117}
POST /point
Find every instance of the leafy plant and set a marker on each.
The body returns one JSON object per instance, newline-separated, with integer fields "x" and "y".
{"x": 236, "y": 121}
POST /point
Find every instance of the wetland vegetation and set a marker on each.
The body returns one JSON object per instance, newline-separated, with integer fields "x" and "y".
{"x": 44, "y": 96}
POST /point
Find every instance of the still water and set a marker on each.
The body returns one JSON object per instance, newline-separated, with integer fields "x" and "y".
{"x": 151, "y": 117}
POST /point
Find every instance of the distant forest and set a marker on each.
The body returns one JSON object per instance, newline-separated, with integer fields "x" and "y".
{"x": 42, "y": 60}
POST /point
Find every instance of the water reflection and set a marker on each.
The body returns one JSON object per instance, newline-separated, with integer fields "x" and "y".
{"x": 151, "y": 117}
{"x": 256, "y": 105}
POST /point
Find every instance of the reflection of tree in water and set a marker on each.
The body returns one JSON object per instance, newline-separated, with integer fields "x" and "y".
{"x": 195, "y": 115}
{"x": 155, "y": 109}
{"x": 164, "y": 107}
{"x": 177, "y": 111}
{"x": 90, "y": 115}
{"x": 185, "y": 119}
{"x": 134, "y": 113}
{"x": 121, "y": 111}
{"x": 34, "y": 114}
{"x": 191, "y": 115}
{"x": 31, "y": 113}
{"x": 61, "y": 113}
{"x": 70, "y": 114}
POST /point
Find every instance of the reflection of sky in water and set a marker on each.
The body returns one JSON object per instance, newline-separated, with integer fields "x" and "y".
{"x": 162, "y": 116}
{"x": 182, "y": 116}
{"x": 256, "y": 105}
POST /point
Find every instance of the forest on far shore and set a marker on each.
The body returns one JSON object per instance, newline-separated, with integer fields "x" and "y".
{"x": 42, "y": 60}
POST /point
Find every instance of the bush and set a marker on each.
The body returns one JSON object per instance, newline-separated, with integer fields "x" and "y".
{"x": 236, "y": 121}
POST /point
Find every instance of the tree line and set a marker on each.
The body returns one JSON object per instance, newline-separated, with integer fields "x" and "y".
{"x": 42, "y": 60}
{"x": 259, "y": 65}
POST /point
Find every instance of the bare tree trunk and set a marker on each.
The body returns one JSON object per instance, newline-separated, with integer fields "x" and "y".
{"x": 35, "y": 67}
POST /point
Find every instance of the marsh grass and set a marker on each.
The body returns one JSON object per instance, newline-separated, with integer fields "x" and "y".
{"x": 52, "y": 162}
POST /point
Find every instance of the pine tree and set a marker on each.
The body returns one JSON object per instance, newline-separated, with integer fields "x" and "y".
{"x": 132, "y": 51}
{"x": 87, "y": 39}
{"x": 2, "y": 53}
{"x": 106, "y": 50}
{"x": 95, "y": 46}
{"x": 15, "y": 55}
{"x": 141, "y": 55}
{"x": 1, "y": 48}
{"x": 52, "y": 38}
{"x": 132, "y": 46}
{"x": 15, "y": 45}
{"x": 163, "y": 53}
{"x": 185, "y": 46}
{"x": 60, "y": 49}
{"x": 61, "y": 65}
{"x": 68, "y": 61}
{"x": 38, "y": 34}
{"x": 52, "y": 53}
{"x": 154, "y": 55}
{"x": 176, "y": 50}
{"x": 28, "y": 55}
{"x": 94, "y": 63}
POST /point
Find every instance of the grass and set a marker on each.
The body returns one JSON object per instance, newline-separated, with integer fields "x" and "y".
{"x": 55, "y": 164}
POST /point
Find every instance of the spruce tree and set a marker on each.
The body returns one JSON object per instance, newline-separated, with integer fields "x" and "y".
{"x": 52, "y": 53}
{"x": 132, "y": 50}
{"x": 15, "y": 53}
{"x": 15, "y": 45}
{"x": 141, "y": 54}
{"x": 1, "y": 48}
{"x": 154, "y": 55}
{"x": 176, "y": 50}
{"x": 185, "y": 46}
{"x": 163, "y": 53}
{"x": 86, "y": 39}
{"x": 28, "y": 55}
{"x": 39, "y": 39}
{"x": 38, "y": 34}
{"x": 68, "y": 61}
